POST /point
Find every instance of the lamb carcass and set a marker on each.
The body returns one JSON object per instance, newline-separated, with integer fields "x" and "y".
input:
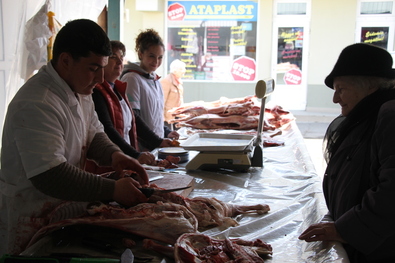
{"x": 194, "y": 247}
{"x": 164, "y": 222}
{"x": 210, "y": 212}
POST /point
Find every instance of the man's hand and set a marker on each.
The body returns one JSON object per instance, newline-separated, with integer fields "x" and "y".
{"x": 126, "y": 192}
{"x": 121, "y": 162}
{"x": 322, "y": 232}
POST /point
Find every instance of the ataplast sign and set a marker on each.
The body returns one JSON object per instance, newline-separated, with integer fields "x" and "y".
{"x": 212, "y": 10}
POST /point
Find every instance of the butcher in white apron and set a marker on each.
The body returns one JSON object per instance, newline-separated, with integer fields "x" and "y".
{"x": 51, "y": 128}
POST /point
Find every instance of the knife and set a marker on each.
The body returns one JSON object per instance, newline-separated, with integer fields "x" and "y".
{"x": 150, "y": 191}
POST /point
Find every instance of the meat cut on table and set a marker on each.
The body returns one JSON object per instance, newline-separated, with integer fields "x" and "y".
{"x": 195, "y": 247}
{"x": 165, "y": 218}
{"x": 164, "y": 222}
{"x": 236, "y": 114}
{"x": 210, "y": 211}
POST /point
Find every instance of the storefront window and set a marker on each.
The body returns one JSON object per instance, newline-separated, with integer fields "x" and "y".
{"x": 291, "y": 8}
{"x": 216, "y": 39}
{"x": 376, "y": 8}
{"x": 375, "y": 35}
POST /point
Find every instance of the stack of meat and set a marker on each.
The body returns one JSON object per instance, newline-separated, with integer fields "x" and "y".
{"x": 235, "y": 114}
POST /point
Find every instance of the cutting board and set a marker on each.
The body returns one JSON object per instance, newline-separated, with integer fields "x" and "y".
{"x": 173, "y": 180}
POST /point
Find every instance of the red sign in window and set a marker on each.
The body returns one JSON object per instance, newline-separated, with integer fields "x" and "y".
{"x": 293, "y": 77}
{"x": 176, "y": 12}
{"x": 243, "y": 68}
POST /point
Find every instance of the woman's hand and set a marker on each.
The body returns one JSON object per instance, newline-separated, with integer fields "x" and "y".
{"x": 173, "y": 135}
{"x": 146, "y": 158}
{"x": 322, "y": 232}
{"x": 167, "y": 143}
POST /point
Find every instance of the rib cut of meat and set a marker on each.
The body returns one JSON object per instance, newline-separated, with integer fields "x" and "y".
{"x": 164, "y": 222}
{"x": 214, "y": 121}
{"x": 235, "y": 114}
{"x": 195, "y": 247}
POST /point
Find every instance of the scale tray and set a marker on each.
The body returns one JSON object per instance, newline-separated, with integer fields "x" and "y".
{"x": 217, "y": 142}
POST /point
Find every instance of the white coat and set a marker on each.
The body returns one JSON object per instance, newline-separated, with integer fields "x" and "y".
{"x": 46, "y": 125}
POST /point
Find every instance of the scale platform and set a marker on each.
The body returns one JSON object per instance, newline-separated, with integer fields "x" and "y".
{"x": 220, "y": 151}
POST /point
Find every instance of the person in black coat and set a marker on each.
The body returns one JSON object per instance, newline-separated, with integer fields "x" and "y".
{"x": 359, "y": 181}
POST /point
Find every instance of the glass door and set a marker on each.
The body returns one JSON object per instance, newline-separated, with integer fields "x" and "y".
{"x": 289, "y": 62}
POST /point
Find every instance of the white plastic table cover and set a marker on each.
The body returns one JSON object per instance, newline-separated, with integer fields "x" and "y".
{"x": 289, "y": 184}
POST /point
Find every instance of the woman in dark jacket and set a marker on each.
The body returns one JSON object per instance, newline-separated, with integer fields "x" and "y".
{"x": 359, "y": 182}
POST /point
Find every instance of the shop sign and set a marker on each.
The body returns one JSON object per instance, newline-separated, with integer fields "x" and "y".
{"x": 243, "y": 68}
{"x": 293, "y": 77}
{"x": 214, "y": 10}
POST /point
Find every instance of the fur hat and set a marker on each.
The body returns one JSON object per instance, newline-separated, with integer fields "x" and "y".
{"x": 362, "y": 60}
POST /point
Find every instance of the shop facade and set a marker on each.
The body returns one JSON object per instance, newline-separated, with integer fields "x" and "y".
{"x": 230, "y": 45}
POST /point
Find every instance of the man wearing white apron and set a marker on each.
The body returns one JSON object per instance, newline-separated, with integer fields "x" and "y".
{"x": 51, "y": 128}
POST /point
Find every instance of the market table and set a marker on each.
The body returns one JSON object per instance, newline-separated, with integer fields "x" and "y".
{"x": 289, "y": 184}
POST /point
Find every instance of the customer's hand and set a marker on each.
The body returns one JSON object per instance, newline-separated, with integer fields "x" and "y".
{"x": 322, "y": 232}
{"x": 126, "y": 192}
{"x": 173, "y": 135}
{"x": 146, "y": 158}
{"x": 121, "y": 161}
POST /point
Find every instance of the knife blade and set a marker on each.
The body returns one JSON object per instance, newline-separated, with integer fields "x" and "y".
{"x": 154, "y": 178}
{"x": 150, "y": 191}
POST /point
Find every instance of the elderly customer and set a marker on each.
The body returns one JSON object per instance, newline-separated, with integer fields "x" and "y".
{"x": 173, "y": 91}
{"x": 359, "y": 182}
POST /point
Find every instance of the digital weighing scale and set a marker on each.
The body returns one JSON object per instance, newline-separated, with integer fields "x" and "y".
{"x": 217, "y": 150}
{"x": 230, "y": 151}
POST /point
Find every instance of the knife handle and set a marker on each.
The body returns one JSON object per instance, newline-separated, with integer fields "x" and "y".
{"x": 147, "y": 191}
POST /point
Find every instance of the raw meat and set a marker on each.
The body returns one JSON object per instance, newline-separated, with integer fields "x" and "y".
{"x": 169, "y": 162}
{"x": 194, "y": 247}
{"x": 211, "y": 212}
{"x": 235, "y": 114}
{"x": 164, "y": 222}
{"x": 244, "y": 109}
{"x": 214, "y": 121}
